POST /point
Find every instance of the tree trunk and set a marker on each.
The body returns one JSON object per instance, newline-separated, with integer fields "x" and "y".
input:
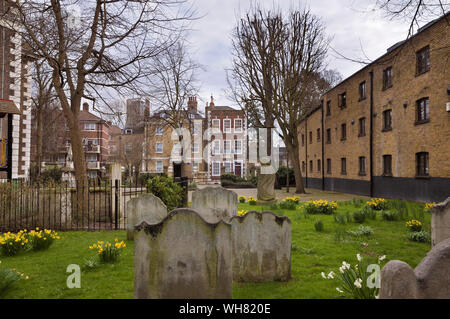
{"x": 293, "y": 151}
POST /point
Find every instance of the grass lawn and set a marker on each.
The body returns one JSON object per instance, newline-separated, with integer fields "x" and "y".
{"x": 312, "y": 253}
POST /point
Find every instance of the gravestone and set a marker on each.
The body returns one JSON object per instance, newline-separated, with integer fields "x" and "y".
{"x": 261, "y": 247}
{"x": 440, "y": 222}
{"x": 145, "y": 208}
{"x": 183, "y": 257}
{"x": 430, "y": 279}
{"x": 117, "y": 193}
{"x": 266, "y": 185}
{"x": 215, "y": 204}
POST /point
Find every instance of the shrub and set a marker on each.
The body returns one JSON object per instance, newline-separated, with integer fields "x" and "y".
{"x": 11, "y": 244}
{"x": 242, "y": 199}
{"x": 290, "y": 205}
{"x": 359, "y": 217}
{"x": 228, "y": 177}
{"x": 281, "y": 176}
{"x": 370, "y": 213}
{"x": 319, "y": 207}
{"x": 377, "y": 203}
{"x": 318, "y": 225}
{"x": 107, "y": 252}
{"x": 252, "y": 200}
{"x": 52, "y": 174}
{"x": 167, "y": 190}
{"x": 390, "y": 215}
{"x": 361, "y": 231}
{"x": 414, "y": 225}
{"x": 42, "y": 239}
{"x": 419, "y": 236}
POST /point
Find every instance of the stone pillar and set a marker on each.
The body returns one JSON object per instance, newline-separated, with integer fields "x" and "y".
{"x": 440, "y": 222}
{"x": 116, "y": 190}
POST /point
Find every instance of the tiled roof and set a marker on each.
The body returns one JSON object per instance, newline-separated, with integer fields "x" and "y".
{"x": 8, "y": 106}
{"x": 87, "y": 116}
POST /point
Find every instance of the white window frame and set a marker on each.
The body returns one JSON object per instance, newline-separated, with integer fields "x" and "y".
{"x": 225, "y": 129}
{"x": 241, "y": 126}
{"x": 157, "y": 131}
{"x": 88, "y": 125}
{"x": 156, "y": 148}
{"x": 212, "y": 168}
{"x": 195, "y": 149}
{"x": 236, "y": 151}
{"x": 213, "y": 150}
{"x": 162, "y": 167}
{"x": 231, "y": 166}
{"x": 230, "y": 150}
{"x": 215, "y": 129}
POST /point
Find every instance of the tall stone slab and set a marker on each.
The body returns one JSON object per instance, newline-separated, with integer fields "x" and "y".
{"x": 430, "y": 279}
{"x": 261, "y": 247}
{"x": 117, "y": 193}
{"x": 145, "y": 208}
{"x": 183, "y": 257}
{"x": 440, "y": 222}
{"x": 215, "y": 204}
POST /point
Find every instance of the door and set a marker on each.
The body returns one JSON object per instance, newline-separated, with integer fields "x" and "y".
{"x": 176, "y": 169}
{"x": 238, "y": 169}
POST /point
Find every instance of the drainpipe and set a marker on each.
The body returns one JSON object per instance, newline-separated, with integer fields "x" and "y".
{"x": 306, "y": 152}
{"x": 371, "y": 134}
{"x": 323, "y": 149}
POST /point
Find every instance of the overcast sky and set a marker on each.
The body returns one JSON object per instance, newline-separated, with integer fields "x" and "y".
{"x": 352, "y": 24}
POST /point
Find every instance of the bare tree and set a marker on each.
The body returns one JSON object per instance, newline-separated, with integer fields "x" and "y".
{"x": 277, "y": 70}
{"x": 106, "y": 45}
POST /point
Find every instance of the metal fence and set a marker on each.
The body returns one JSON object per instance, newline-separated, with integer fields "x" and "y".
{"x": 25, "y": 205}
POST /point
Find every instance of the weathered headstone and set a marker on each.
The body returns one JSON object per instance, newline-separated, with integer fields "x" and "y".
{"x": 266, "y": 185}
{"x": 215, "y": 204}
{"x": 117, "y": 193}
{"x": 183, "y": 257}
{"x": 261, "y": 247}
{"x": 430, "y": 279}
{"x": 145, "y": 208}
{"x": 440, "y": 222}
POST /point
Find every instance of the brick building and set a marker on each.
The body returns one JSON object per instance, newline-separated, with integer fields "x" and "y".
{"x": 15, "y": 103}
{"x": 385, "y": 130}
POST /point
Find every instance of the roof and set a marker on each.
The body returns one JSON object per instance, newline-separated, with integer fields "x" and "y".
{"x": 222, "y": 108}
{"x": 87, "y": 116}
{"x": 8, "y": 107}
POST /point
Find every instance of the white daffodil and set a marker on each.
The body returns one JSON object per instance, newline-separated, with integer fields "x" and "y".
{"x": 342, "y": 269}
{"x": 358, "y": 282}
{"x": 381, "y": 258}
{"x": 331, "y": 275}
{"x": 358, "y": 256}
{"x": 339, "y": 290}
{"x": 323, "y": 275}
{"x": 345, "y": 265}
{"x": 356, "y": 266}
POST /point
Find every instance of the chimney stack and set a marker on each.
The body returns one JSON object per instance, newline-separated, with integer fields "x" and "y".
{"x": 192, "y": 103}
{"x": 86, "y": 107}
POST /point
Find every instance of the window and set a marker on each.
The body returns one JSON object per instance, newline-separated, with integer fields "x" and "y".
{"x": 228, "y": 167}
{"x": 311, "y": 166}
{"x": 237, "y": 147}
{"x": 362, "y": 91}
{"x": 310, "y": 137}
{"x": 93, "y": 157}
{"x": 328, "y": 108}
{"x": 343, "y": 165}
{"x": 303, "y": 166}
{"x": 159, "y": 131}
{"x": 89, "y": 127}
{"x": 196, "y": 130}
{"x": 328, "y": 136}
{"x": 159, "y": 147}
{"x": 113, "y": 148}
{"x": 387, "y": 165}
{"x": 318, "y": 135}
{"x": 303, "y": 139}
{"x": 342, "y": 100}
{"x": 422, "y": 164}
{"x": 128, "y": 131}
{"x": 423, "y": 60}
{"x": 362, "y": 165}
{"x": 318, "y": 165}
{"x": 159, "y": 167}
{"x": 227, "y": 147}
{"x": 216, "y": 125}
{"x": 216, "y": 147}
{"x": 422, "y": 111}
{"x": 216, "y": 169}
{"x": 343, "y": 132}
{"x": 362, "y": 127}
{"x": 387, "y": 78}
{"x": 387, "y": 120}
{"x": 176, "y": 149}
{"x": 128, "y": 148}
{"x": 195, "y": 166}
{"x": 195, "y": 148}
{"x": 238, "y": 125}
{"x": 329, "y": 165}
{"x": 227, "y": 125}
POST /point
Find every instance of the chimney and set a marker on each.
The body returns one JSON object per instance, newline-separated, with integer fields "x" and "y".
{"x": 86, "y": 106}
{"x": 192, "y": 103}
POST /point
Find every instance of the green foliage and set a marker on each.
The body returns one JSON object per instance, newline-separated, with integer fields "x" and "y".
{"x": 281, "y": 176}
{"x": 90, "y": 264}
{"x": 167, "y": 190}
{"x": 7, "y": 278}
{"x": 361, "y": 231}
{"x": 340, "y": 219}
{"x": 144, "y": 177}
{"x": 419, "y": 236}
{"x": 370, "y": 213}
{"x": 319, "y": 207}
{"x": 390, "y": 215}
{"x": 228, "y": 177}
{"x": 42, "y": 239}
{"x": 359, "y": 217}
{"x": 318, "y": 225}
{"x": 290, "y": 205}
{"x": 192, "y": 186}
{"x": 52, "y": 174}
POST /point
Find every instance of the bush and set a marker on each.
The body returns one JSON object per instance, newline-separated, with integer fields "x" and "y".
{"x": 287, "y": 204}
{"x": 41, "y": 240}
{"x": 238, "y": 184}
{"x": 167, "y": 190}
{"x": 242, "y": 199}
{"x": 359, "y": 217}
{"x": 318, "y": 226}
{"x": 192, "y": 186}
{"x": 252, "y": 200}
{"x": 228, "y": 177}
{"x": 281, "y": 176}
{"x": 370, "y": 213}
{"x": 107, "y": 252}
{"x": 8, "y": 277}
{"x": 390, "y": 215}
{"x": 52, "y": 174}
{"x": 361, "y": 231}
{"x": 414, "y": 225}
{"x": 377, "y": 203}
{"x": 319, "y": 207}
{"x": 11, "y": 244}
{"x": 419, "y": 236}
{"x": 145, "y": 177}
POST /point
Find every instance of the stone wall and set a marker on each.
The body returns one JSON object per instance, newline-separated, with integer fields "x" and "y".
{"x": 261, "y": 247}
{"x": 430, "y": 279}
{"x": 440, "y": 222}
{"x": 183, "y": 256}
{"x": 215, "y": 204}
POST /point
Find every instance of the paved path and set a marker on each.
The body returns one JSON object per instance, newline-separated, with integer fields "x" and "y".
{"x": 311, "y": 194}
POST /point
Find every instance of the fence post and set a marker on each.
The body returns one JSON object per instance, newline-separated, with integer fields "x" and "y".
{"x": 116, "y": 204}
{"x": 116, "y": 195}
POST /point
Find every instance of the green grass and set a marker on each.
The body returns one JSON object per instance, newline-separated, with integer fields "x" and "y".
{"x": 312, "y": 253}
